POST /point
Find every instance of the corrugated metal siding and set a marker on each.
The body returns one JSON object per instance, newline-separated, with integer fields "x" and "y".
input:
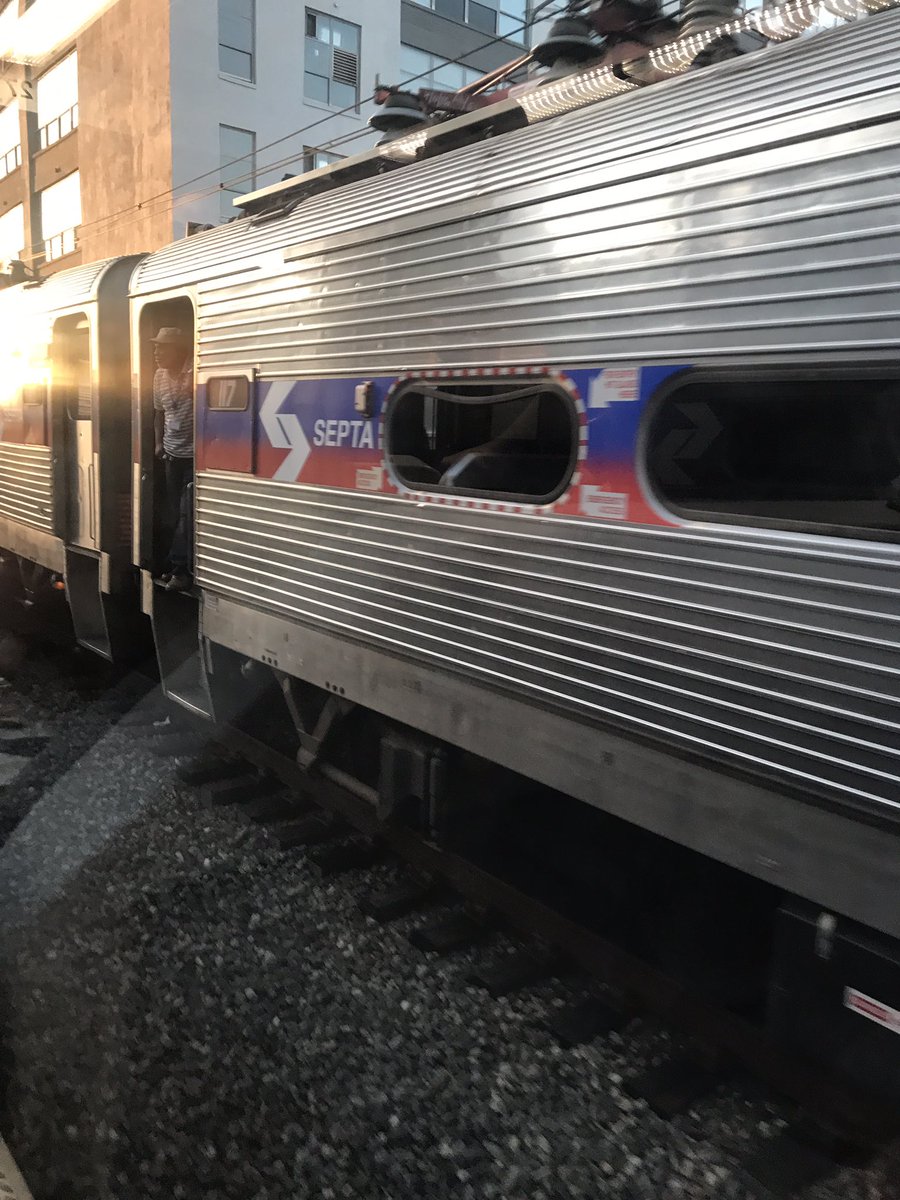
{"x": 595, "y": 195}
{"x": 777, "y": 654}
{"x": 26, "y": 485}
{"x": 798, "y": 252}
{"x": 78, "y": 285}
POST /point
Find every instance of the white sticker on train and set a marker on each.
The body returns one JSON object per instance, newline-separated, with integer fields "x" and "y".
{"x": 615, "y": 385}
{"x": 370, "y": 479}
{"x": 872, "y": 1010}
{"x": 597, "y": 503}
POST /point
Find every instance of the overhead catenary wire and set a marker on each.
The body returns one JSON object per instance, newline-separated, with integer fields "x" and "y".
{"x": 151, "y": 206}
{"x": 194, "y": 197}
{"x": 142, "y": 208}
{"x": 135, "y": 218}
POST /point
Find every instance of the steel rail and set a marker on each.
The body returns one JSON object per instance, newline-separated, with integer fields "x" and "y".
{"x": 843, "y": 1112}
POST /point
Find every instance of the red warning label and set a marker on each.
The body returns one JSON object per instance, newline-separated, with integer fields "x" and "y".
{"x": 873, "y": 1010}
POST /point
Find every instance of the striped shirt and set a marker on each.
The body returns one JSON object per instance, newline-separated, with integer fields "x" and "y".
{"x": 174, "y": 396}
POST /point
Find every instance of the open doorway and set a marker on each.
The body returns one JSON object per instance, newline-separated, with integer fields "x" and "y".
{"x": 73, "y": 395}
{"x": 166, "y": 440}
{"x": 167, "y": 350}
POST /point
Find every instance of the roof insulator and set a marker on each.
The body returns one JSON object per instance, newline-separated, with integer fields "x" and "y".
{"x": 400, "y": 111}
{"x": 571, "y": 39}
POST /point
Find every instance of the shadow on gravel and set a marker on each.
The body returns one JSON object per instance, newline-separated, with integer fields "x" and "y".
{"x": 76, "y": 698}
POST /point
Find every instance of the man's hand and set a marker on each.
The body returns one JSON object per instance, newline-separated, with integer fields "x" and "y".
{"x": 160, "y": 453}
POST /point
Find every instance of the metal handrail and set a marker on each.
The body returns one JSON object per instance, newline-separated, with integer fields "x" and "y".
{"x": 54, "y": 131}
{"x": 10, "y": 161}
{"x": 61, "y": 244}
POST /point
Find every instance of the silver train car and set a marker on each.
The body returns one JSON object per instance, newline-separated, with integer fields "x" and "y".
{"x": 576, "y": 450}
{"x": 65, "y": 445}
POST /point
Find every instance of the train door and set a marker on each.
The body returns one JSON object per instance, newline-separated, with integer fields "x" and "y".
{"x": 73, "y": 391}
{"x": 175, "y": 615}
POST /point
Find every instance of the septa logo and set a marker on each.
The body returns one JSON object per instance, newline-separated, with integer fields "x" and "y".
{"x": 358, "y": 434}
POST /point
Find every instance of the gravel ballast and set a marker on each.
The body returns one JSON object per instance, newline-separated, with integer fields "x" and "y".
{"x": 195, "y": 1013}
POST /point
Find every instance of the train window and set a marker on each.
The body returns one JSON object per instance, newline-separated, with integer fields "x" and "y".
{"x": 34, "y": 393}
{"x": 514, "y": 439}
{"x": 231, "y": 393}
{"x": 787, "y": 452}
{"x": 71, "y": 359}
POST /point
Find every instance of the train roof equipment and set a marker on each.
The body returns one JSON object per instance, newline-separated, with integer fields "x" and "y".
{"x": 590, "y": 56}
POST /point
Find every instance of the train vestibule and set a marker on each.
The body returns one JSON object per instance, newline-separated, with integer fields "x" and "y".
{"x": 65, "y": 433}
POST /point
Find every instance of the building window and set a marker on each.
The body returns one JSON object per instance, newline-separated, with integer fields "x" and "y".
{"x": 782, "y": 451}
{"x": 12, "y": 236}
{"x": 237, "y": 160}
{"x": 9, "y": 19}
{"x": 313, "y": 159}
{"x": 10, "y": 145}
{"x": 61, "y": 216}
{"x": 506, "y": 18}
{"x": 431, "y": 71}
{"x": 512, "y": 439}
{"x": 57, "y": 101}
{"x": 237, "y": 32}
{"x": 332, "y": 61}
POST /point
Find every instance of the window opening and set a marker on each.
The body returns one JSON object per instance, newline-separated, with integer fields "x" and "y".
{"x": 426, "y": 70}
{"x": 503, "y": 17}
{"x": 788, "y": 452}
{"x": 12, "y": 236}
{"x": 237, "y": 21}
{"x": 61, "y": 216}
{"x": 72, "y": 366}
{"x": 10, "y": 142}
{"x": 57, "y": 101}
{"x": 314, "y": 159}
{"x": 509, "y": 439}
{"x": 331, "y": 73}
{"x": 237, "y": 158}
{"x": 34, "y": 394}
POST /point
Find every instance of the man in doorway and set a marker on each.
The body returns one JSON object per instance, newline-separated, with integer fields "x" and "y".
{"x": 173, "y": 426}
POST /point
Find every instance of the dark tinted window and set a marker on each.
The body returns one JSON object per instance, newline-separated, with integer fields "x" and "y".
{"x": 454, "y": 9}
{"x": 71, "y": 360}
{"x": 509, "y": 439}
{"x": 482, "y": 17}
{"x": 34, "y": 393}
{"x": 229, "y": 392}
{"x": 783, "y": 452}
{"x": 236, "y": 37}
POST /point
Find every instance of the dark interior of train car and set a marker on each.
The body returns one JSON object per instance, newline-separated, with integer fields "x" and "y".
{"x": 791, "y": 452}
{"x": 176, "y": 313}
{"x": 508, "y": 438}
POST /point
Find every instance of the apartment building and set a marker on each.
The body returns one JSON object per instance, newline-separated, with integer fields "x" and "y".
{"x": 128, "y": 123}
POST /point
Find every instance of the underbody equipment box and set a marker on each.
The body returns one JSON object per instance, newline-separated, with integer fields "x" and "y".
{"x": 835, "y": 996}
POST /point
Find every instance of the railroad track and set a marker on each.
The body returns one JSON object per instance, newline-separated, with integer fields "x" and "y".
{"x": 332, "y": 816}
{"x": 589, "y": 992}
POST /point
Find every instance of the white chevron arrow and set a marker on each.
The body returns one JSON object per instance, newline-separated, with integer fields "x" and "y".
{"x": 284, "y": 431}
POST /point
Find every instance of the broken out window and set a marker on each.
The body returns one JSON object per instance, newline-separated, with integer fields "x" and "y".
{"x": 510, "y": 439}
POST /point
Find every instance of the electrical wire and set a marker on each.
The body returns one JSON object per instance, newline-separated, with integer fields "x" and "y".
{"x": 145, "y": 208}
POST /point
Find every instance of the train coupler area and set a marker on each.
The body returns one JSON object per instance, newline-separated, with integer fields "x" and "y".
{"x": 835, "y": 997}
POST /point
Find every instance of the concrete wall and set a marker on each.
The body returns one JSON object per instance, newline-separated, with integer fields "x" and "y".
{"x": 274, "y": 106}
{"x": 124, "y": 135}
